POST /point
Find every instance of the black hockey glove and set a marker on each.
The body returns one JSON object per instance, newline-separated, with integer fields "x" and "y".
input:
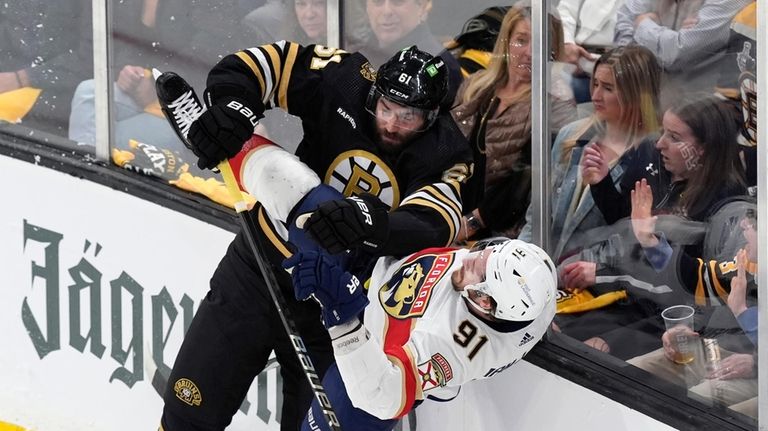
{"x": 358, "y": 221}
{"x": 221, "y": 131}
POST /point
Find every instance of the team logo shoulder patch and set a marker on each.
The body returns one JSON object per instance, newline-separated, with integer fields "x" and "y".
{"x": 407, "y": 293}
{"x": 368, "y": 71}
{"x": 186, "y": 390}
{"x": 435, "y": 373}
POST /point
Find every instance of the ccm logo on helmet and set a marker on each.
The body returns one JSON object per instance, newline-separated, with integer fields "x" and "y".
{"x": 250, "y": 115}
{"x": 398, "y": 94}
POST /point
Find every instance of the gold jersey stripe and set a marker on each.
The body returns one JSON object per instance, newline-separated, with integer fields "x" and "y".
{"x": 290, "y": 59}
{"x": 700, "y": 296}
{"x": 439, "y": 195}
{"x": 246, "y": 58}
{"x": 274, "y": 57}
{"x": 721, "y": 292}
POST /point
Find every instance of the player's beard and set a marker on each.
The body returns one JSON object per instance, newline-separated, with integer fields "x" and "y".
{"x": 393, "y": 143}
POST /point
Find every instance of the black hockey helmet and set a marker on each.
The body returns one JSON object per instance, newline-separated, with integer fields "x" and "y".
{"x": 412, "y": 78}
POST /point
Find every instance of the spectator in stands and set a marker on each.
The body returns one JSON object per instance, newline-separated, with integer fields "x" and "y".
{"x": 42, "y": 59}
{"x": 493, "y": 111}
{"x": 302, "y": 21}
{"x": 688, "y": 37}
{"x": 725, "y": 373}
{"x": 588, "y": 27}
{"x": 167, "y": 35}
{"x": 699, "y": 139}
{"x": 625, "y": 87}
{"x": 398, "y": 24}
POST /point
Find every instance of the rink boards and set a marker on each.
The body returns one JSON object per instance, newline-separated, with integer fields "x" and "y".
{"x": 99, "y": 285}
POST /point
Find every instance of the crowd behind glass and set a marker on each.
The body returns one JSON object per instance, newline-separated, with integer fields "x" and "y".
{"x": 653, "y": 157}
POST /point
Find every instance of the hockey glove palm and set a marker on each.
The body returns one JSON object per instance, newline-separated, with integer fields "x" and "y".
{"x": 358, "y": 221}
{"x": 221, "y": 131}
{"x": 338, "y": 292}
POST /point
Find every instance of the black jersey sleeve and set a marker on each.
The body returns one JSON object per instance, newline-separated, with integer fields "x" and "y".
{"x": 433, "y": 167}
{"x": 709, "y": 281}
{"x": 282, "y": 74}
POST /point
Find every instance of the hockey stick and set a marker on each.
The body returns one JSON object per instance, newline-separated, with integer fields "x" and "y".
{"x": 181, "y": 108}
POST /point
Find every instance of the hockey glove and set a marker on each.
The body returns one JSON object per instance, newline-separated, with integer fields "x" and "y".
{"x": 221, "y": 131}
{"x": 358, "y": 221}
{"x": 339, "y": 293}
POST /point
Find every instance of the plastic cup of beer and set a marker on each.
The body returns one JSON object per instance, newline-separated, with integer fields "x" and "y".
{"x": 678, "y": 320}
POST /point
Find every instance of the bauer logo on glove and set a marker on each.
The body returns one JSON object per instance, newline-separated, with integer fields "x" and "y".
{"x": 359, "y": 221}
{"x": 246, "y": 111}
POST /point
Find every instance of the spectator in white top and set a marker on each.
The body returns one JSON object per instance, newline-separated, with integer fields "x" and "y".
{"x": 689, "y": 38}
{"x": 588, "y": 27}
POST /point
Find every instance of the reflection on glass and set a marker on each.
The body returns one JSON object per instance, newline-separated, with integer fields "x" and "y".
{"x": 672, "y": 222}
{"x": 44, "y": 54}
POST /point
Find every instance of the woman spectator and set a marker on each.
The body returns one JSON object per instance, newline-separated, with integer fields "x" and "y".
{"x": 699, "y": 139}
{"x": 493, "y": 111}
{"x": 625, "y": 86}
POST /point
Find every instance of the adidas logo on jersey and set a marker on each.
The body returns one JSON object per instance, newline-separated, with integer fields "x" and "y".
{"x": 526, "y": 339}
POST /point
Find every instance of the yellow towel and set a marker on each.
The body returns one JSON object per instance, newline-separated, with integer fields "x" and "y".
{"x": 15, "y": 104}
{"x": 584, "y": 301}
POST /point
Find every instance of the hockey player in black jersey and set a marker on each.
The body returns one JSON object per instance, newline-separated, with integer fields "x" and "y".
{"x": 376, "y": 134}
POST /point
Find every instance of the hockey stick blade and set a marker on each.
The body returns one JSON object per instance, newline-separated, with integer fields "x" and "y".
{"x": 182, "y": 107}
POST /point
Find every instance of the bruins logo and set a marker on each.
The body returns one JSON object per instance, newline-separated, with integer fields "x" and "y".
{"x": 357, "y": 171}
{"x": 187, "y": 391}
{"x": 408, "y": 292}
{"x": 748, "y": 89}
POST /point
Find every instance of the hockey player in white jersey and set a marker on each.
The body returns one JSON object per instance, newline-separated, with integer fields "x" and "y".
{"x": 405, "y": 329}
{"x": 435, "y": 320}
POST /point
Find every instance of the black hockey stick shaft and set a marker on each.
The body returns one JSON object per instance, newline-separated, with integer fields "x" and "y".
{"x": 181, "y": 107}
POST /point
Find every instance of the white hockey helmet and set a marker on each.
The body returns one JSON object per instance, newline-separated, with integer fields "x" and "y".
{"x": 519, "y": 276}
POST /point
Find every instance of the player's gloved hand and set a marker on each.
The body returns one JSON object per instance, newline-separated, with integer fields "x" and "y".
{"x": 220, "y": 132}
{"x": 340, "y": 293}
{"x": 358, "y": 221}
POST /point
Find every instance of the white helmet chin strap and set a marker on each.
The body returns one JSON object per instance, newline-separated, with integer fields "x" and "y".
{"x": 477, "y": 288}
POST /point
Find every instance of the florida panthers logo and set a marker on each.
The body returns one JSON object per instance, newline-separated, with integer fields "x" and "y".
{"x": 408, "y": 292}
{"x": 357, "y": 171}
